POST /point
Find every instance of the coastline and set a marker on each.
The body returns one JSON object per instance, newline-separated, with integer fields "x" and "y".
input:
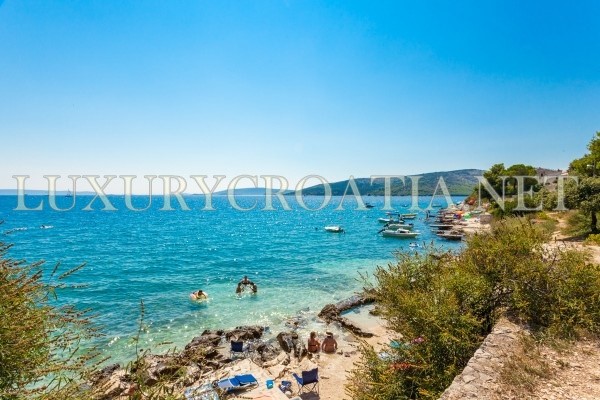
{"x": 274, "y": 358}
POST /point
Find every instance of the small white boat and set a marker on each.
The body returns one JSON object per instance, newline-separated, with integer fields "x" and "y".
{"x": 409, "y": 216}
{"x": 400, "y": 226}
{"x": 334, "y": 229}
{"x": 389, "y": 221}
{"x": 399, "y": 233}
{"x": 414, "y": 244}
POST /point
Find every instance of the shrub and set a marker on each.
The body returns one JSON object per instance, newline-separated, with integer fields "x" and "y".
{"x": 593, "y": 239}
{"x": 40, "y": 355}
{"x": 452, "y": 301}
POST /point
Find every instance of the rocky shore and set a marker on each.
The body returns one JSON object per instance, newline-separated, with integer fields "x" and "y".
{"x": 207, "y": 357}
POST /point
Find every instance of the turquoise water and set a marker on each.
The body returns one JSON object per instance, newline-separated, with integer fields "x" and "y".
{"x": 161, "y": 257}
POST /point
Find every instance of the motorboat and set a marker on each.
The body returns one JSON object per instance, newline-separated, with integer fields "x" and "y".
{"x": 400, "y": 226}
{"x": 441, "y": 227}
{"x": 399, "y": 233}
{"x": 451, "y": 236}
{"x": 409, "y": 215}
{"x": 334, "y": 229}
{"x": 390, "y": 221}
{"x": 369, "y": 205}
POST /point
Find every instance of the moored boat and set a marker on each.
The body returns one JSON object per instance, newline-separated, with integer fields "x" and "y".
{"x": 399, "y": 233}
{"x": 390, "y": 221}
{"x": 451, "y": 236}
{"x": 442, "y": 227}
{"x": 400, "y": 226}
{"x": 334, "y": 229}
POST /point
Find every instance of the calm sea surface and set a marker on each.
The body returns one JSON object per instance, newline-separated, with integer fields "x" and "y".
{"x": 160, "y": 257}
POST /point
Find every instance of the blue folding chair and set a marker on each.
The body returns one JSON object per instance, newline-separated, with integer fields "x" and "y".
{"x": 308, "y": 382}
{"x": 237, "y": 348}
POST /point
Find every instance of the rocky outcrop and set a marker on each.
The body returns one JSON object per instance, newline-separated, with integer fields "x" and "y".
{"x": 291, "y": 343}
{"x": 245, "y": 333}
{"x": 209, "y": 352}
{"x": 332, "y": 313}
{"x": 268, "y": 352}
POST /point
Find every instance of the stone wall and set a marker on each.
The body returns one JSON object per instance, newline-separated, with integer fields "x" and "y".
{"x": 479, "y": 379}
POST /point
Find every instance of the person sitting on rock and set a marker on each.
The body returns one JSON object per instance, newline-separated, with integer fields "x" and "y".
{"x": 313, "y": 343}
{"x": 329, "y": 344}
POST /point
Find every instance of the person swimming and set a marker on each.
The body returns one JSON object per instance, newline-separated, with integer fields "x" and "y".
{"x": 199, "y": 295}
{"x": 244, "y": 283}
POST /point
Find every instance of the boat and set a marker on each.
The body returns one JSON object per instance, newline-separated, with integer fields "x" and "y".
{"x": 442, "y": 227}
{"x": 414, "y": 244}
{"x": 69, "y": 194}
{"x": 399, "y": 233}
{"x": 369, "y": 205}
{"x": 451, "y": 236}
{"x": 409, "y": 216}
{"x": 400, "y": 226}
{"x": 390, "y": 221}
{"x": 334, "y": 229}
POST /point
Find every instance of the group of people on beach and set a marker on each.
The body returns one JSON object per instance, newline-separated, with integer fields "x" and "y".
{"x": 329, "y": 344}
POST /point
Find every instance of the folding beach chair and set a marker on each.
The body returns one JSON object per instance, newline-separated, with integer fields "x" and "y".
{"x": 237, "y": 382}
{"x": 237, "y": 348}
{"x": 309, "y": 381}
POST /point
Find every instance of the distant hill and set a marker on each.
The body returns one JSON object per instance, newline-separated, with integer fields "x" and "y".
{"x": 460, "y": 182}
{"x": 36, "y": 192}
{"x": 247, "y": 192}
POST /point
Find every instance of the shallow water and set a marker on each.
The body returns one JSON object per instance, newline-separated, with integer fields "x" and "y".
{"x": 160, "y": 257}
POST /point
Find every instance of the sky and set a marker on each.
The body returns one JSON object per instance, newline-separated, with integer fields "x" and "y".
{"x": 293, "y": 88}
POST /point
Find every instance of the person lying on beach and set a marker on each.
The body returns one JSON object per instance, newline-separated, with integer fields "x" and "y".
{"x": 313, "y": 343}
{"x": 329, "y": 344}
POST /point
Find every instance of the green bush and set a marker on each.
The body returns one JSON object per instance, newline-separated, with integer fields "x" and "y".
{"x": 593, "y": 239}
{"x": 40, "y": 355}
{"x": 451, "y": 301}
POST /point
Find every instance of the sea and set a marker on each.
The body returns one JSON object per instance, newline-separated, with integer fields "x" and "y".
{"x": 159, "y": 257}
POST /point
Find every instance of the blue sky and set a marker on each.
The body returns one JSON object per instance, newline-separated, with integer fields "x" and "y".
{"x": 294, "y": 87}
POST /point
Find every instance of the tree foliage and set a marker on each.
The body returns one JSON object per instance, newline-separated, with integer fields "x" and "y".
{"x": 442, "y": 306}
{"x": 40, "y": 354}
{"x": 503, "y": 179}
{"x": 586, "y": 195}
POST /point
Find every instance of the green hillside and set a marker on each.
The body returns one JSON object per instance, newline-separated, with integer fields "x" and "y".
{"x": 460, "y": 182}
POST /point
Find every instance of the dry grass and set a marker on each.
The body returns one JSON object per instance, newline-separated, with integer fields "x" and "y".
{"x": 524, "y": 370}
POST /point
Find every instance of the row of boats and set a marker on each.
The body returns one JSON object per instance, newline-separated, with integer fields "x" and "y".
{"x": 445, "y": 223}
{"x": 397, "y": 227}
